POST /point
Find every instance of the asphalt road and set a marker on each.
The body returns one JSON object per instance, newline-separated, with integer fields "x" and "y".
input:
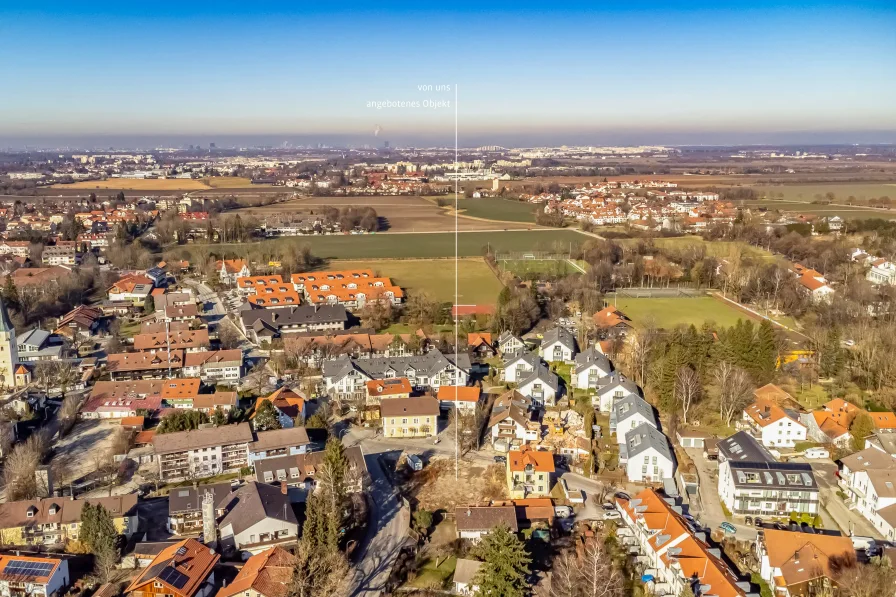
{"x": 386, "y": 532}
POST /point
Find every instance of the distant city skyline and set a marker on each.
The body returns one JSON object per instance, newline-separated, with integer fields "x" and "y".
{"x": 618, "y": 73}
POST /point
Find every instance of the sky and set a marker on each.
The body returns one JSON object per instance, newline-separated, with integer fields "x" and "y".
{"x": 520, "y": 73}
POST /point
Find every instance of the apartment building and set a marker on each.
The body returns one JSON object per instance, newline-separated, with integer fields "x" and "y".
{"x": 22, "y": 576}
{"x": 529, "y": 473}
{"x": 590, "y": 366}
{"x": 185, "y": 506}
{"x": 410, "y": 417}
{"x": 348, "y": 376}
{"x": 59, "y": 256}
{"x": 215, "y": 367}
{"x": 263, "y": 325}
{"x": 279, "y": 442}
{"x": 514, "y": 422}
{"x": 52, "y": 521}
{"x": 773, "y": 425}
{"x": 202, "y": 452}
{"x": 868, "y": 478}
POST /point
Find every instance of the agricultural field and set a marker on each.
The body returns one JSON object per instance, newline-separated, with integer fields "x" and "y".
{"x": 806, "y": 193}
{"x": 670, "y": 312}
{"x": 397, "y": 213}
{"x": 161, "y": 184}
{"x": 477, "y": 285}
{"x": 853, "y": 212}
{"x": 503, "y": 210}
{"x": 391, "y": 246}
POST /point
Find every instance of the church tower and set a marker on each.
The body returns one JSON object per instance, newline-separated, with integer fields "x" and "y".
{"x": 9, "y": 354}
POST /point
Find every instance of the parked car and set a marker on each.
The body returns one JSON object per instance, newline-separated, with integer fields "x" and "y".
{"x": 748, "y": 520}
{"x": 501, "y": 459}
{"x": 728, "y": 528}
{"x": 612, "y": 515}
{"x": 622, "y": 495}
{"x": 608, "y": 506}
{"x": 758, "y": 522}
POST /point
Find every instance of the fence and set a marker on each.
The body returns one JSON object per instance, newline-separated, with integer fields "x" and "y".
{"x": 646, "y": 292}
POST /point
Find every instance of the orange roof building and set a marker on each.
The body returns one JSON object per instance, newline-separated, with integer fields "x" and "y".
{"x": 180, "y": 570}
{"x": 266, "y": 574}
{"x": 465, "y": 397}
{"x": 288, "y": 404}
{"x": 286, "y": 298}
{"x": 611, "y": 317}
{"x": 793, "y": 560}
{"x": 884, "y": 421}
{"x": 681, "y": 557}
{"x": 351, "y": 288}
{"x": 529, "y": 473}
{"x": 394, "y": 387}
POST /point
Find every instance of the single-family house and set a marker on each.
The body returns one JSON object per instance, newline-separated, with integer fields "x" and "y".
{"x": 646, "y": 455}
{"x": 529, "y": 473}
{"x": 611, "y": 388}
{"x": 541, "y": 385}
{"x": 590, "y": 366}
{"x": 558, "y": 345}
{"x": 628, "y": 413}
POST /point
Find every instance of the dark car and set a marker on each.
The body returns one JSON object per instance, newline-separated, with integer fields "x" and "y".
{"x": 748, "y": 520}
{"x": 758, "y": 522}
{"x": 501, "y": 459}
{"x": 623, "y": 496}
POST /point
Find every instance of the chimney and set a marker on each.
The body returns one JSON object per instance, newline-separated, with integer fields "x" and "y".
{"x": 283, "y": 488}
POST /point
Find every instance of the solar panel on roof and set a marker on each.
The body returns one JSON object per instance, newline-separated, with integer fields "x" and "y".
{"x": 174, "y": 577}
{"x": 26, "y": 568}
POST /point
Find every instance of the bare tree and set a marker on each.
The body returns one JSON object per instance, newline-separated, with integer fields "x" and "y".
{"x": 68, "y": 413}
{"x": 564, "y": 576}
{"x": 228, "y": 335}
{"x": 687, "y": 390}
{"x": 735, "y": 390}
{"x": 19, "y": 468}
{"x": 600, "y": 577}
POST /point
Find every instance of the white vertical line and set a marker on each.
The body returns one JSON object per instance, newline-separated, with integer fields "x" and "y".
{"x": 456, "y": 296}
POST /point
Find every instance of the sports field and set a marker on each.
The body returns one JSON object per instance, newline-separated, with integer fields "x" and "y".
{"x": 527, "y": 268}
{"x": 161, "y": 184}
{"x": 379, "y": 246}
{"x": 670, "y": 312}
{"x": 477, "y": 285}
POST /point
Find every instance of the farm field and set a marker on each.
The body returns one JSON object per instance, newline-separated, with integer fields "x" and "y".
{"x": 849, "y": 213}
{"x": 810, "y": 192}
{"x": 161, "y": 184}
{"x": 477, "y": 285}
{"x": 385, "y": 246}
{"x": 498, "y": 209}
{"x": 670, "y": 312}
{"x": 402, "y": 213}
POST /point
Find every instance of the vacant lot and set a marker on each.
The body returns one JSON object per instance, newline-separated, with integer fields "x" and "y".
{"x": 397, "y": 214}
{"x": 670, "y": 312}
{"x": 435, "y": 487}
{"x": 380, "y": 246}
{"x": 477, "y": 284}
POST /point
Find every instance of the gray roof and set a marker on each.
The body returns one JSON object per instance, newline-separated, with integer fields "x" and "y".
{"x": 301, "y": 315}
{"x": 530, "y": 358}
{"x": 36, "y": 337}
{"x": 743, "y": 447}
{"x": 561, "y": 335}
{"x": 428, "y": 364}
{"x": 252, "y": 503}
{"x": 645, "y": 436}
{"x": 773, "y": 475}
{"x": 544, "y": 374}
{"x": 484, "y": 518}
{"x": 306, "y": 464}
{"x": 181, "y": 441}
{"x": 280, "y": 438}
{"x": 189, "y": 499}
{"x": 506, "y": 337}
{"x": 617, "y": 380}
{"x": 466, "y": 570}
{"x": 514, "y": 405}
{"x": 592, "y": 357}
{"x": 630, "y": 406}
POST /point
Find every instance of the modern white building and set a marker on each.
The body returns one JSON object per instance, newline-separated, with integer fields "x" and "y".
{"x": 612, "y": 388}
{"x": 646, "y": 455}
{"x": 868, "y": 478}
{"x": 541, "y": 385}
{"x": 628, "y": 413}
{"x": 518, "y": 365}
{"x": 773, "y": 425}
{"x": 558, "y": 345}
{"x": 590, "y": 366}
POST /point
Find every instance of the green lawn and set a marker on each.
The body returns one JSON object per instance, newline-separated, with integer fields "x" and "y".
{"x": 525, "y": 268}
{"x": 477, "y": 285}
{"x": 849, "y": 213}
{"x": 374, "y": 246}
{"x": 498, "y": 209}
{"x": 431, "y": 577}
{"x": 670, "y": 312}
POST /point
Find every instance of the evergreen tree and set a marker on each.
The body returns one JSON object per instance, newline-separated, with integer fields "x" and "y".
{"x": 336, "y": 467}
{"x": 97, "y": 527}
{"x": 833, "y": 358}
{"x": 10, "y": 292}
{"x": 266, "y": 417}
{"x": 765, "y": 360}
{"x": 149, "y": 306}
{"x": 505, "y": 565}
{"x": 862, "y": 426}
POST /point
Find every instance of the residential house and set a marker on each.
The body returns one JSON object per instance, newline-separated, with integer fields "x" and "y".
{"x": 473, "y": 522}
{"x": 278, "y": 442}
{"x": 480, "y": 345}
{"x": 202, "y": 452}
{"x": 131, "y": 288}
{"x": 266, "y": 574}
{"x": 379, "y": 389}
{"x": 463, "y": 398}
{"x": 611, "y": 388}
{"x": 518, "y": 365}
{"x": 831, "y": 423}
{"x": 259, "y": 516}
{"x": 184, "y": 569}
{"x": 514, "y": 422}
{"x": 288, "y": 405}
{"x": 263, "y": 325}
{"x": 646, "y": 455}
{"x": 301, "y": 470}
{"x": 410, "y": 417}
{"x": 40, "y": 345}
{"x": 80, "y": 323}
{"x": 590, "y": 366}
{"x": 628, "y": 413}
{"x": 868, "y": 478}
{"x": 347, "y": 376}
{"x": 797, "y": 563}
{"x": 679, "y": 558}
{"x": 773, "y": 425}
{"x": 186, "y": 313}
{"x": 180, "y": 393}
{"x": 752, "y": 482}
{"x": 351, "y": 288}
{"x": 509, "y": 344}
{"x": 882, "y": 272}
{"x": 53, "y": 521}
{"x": 185, "y": 506}
{"x": 55, "y": 255}
{"x": 818, "y": 290}
{"x": 231, "y": 270}
{"x": 558, "y": 345}
{"x": 143, "y": 365}
{"x": 35, "y": 576}
{"x": 541, "y": 385}
{"x": 612, "y": 319}
{"x": 529, "y": 473}
{"x": 215, "y": 367}
{"x": 187, "y": 340}
{"x": 118, "y": 399}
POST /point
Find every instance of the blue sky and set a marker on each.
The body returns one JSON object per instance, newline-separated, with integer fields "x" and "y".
{"x": 593, "y": 72}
